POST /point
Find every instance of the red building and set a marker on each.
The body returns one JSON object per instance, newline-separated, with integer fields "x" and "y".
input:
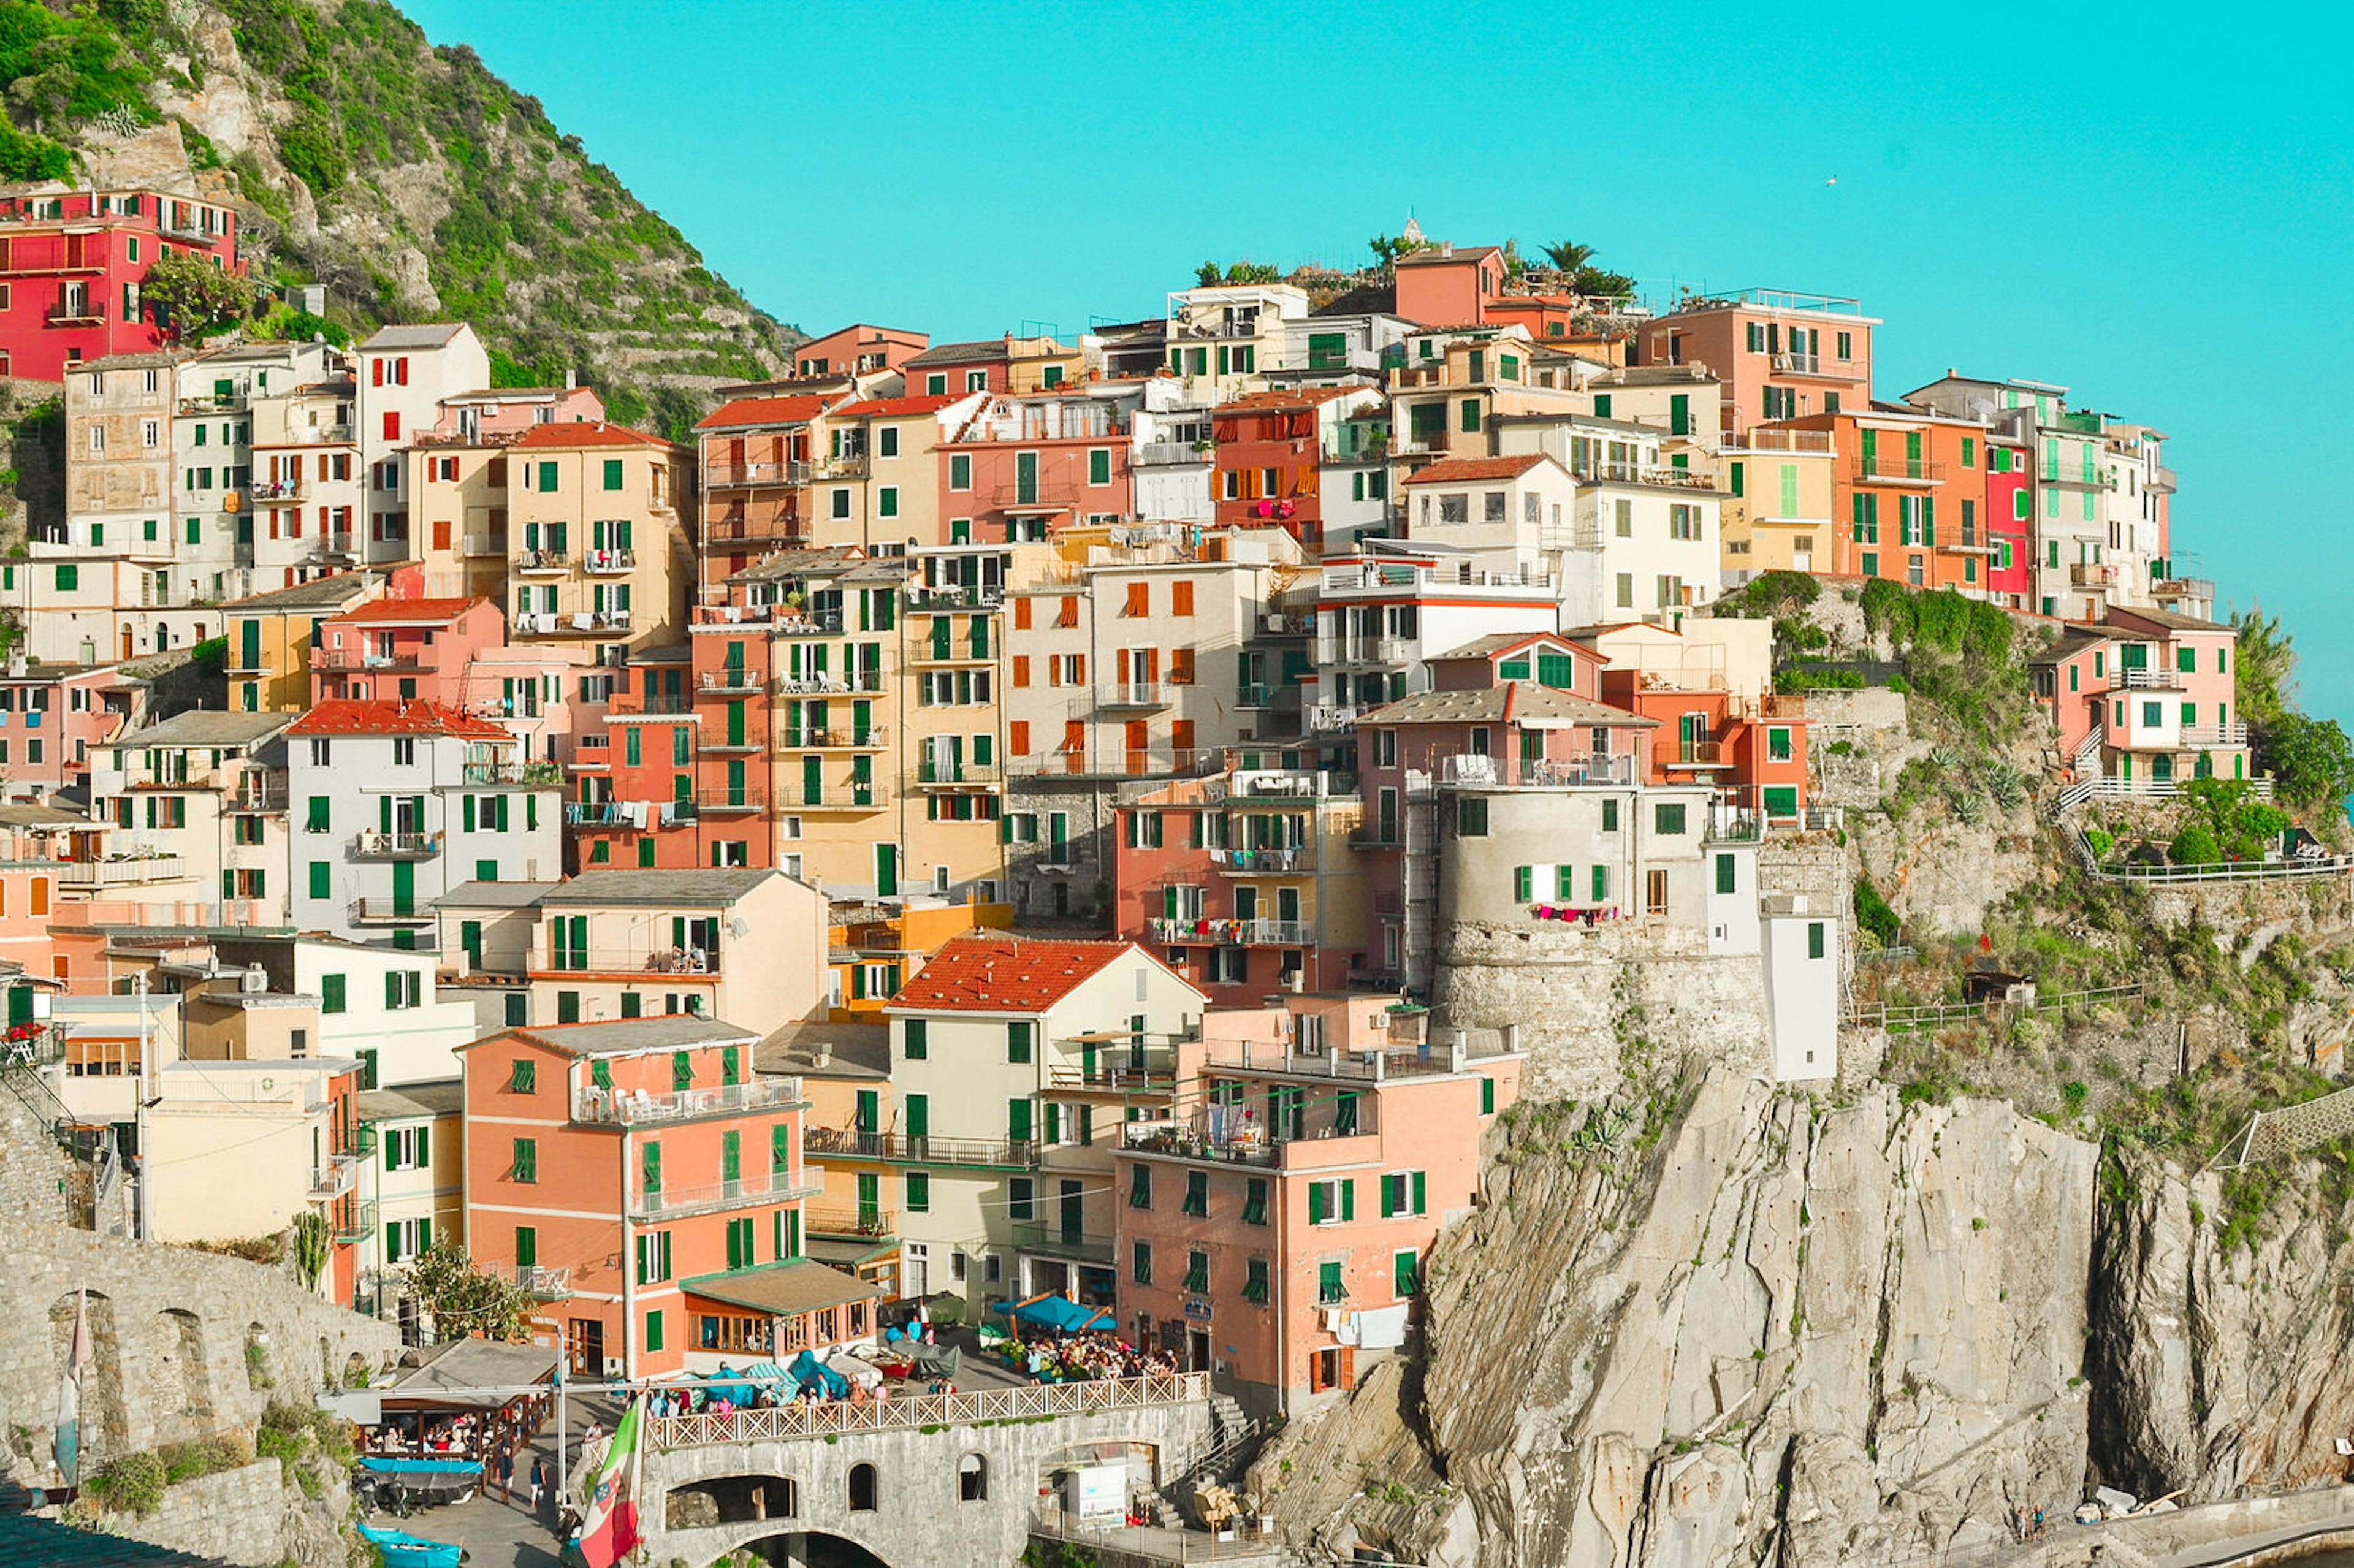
{"x": 72, "y": 263}
{"x": 857, "y": 350}
{"x": 643, "y": 1179}
{"x": 2010, "y": 522}
{"x": 1025, "y": 467}
{"x": 1447, "y": 287}
{"x": 1270, "y": 449}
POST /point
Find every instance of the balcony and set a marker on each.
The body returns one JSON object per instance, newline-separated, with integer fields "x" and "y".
{"x": 958, "y": 774}
{"x": 1064, "y": 1241}
{"x": 656, "y": 961}
{"x": 750, "y": 475}
{"x": 354, "y": 1222}
{"x": 597, "y": 814}
{"x": 2091, "y": 574}
{"x": 1369, "y": 653}
{"x": 851, "y": 465}
{"x": 873, "y": 738}
{"x": 739, "y": 745}
{"x": 377, "y": 846}
{"x": 954, "y": 652}
{"x": 1465, "y": 768}
{"x": 731, "y": 682}
{"x": 2145, "y": 680}
{"x": 250, "y": 801}
{"x": 609, "y": 563}
{"x": 2161, "y": 481}
{"x": 77, "y": 313}
{"x": 280, "y": 489}
{"x": 850, "y": 797}
{"x": 1378, "y": 836}
{"x": 730, "y": 802}
{"x": 630, "y": 1107}
{"x": 759, "y": 1189}
{"x": 120, "y": 872}
{"x": 1255, "y": 696}
{"x": 1115, "y": 762}
{"x": 338, "y": 1176}
{"x": 1119, "y": 1071}
{"x": 1762, "y": 440}
{"x": 1227, "y": 933}
{"x": 2233, "y": 734}
{"x": 1285, "y": 860}
{"x": 534, "y": 561}
{"x": 1332, "y": 718}
{"x": 1241, "y": 1141}
{"x": 411, "y": 663}
{"x": 235, "y": 402}
{"x": 1873, "y": 470}
{"x": 654, "y": 704}
{"x": 1670, "y": 477}
{"x": 388, "y": 912}
{"x": 877, "y": 1223}
{"x": 1171, "y": 454}
{"x": 2078, "y": 481}
{"x": 956, "y": 595}
{"x": 994, "y": 1153}
{"x": 533, "y": 773}
{"x": 1132, "y": 696}
{"x": 855, "y": 683}
{"x": 1673, "y": 751}
{"x": 542, "y": 1284}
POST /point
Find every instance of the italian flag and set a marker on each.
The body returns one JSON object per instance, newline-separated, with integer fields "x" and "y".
{"x": 609, "y": 1525}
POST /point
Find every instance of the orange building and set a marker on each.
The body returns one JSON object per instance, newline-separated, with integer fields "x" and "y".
{"x": 1447, "y": 287}
{"x": 645, "y": 1179}
{"x": 1907, "y": 495}
{"x": 1779, "y": 356}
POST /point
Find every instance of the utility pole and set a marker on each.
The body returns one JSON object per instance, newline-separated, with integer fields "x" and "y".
{"x": 145, "y": 1221}
{"x": 563, "y": 1366}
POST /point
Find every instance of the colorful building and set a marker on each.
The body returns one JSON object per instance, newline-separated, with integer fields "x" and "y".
{"x": 72, "y": 262}
{"x": 1271, "y": 453}
{"x": 53, "y": 718}
{"x": 646, "y": 1181}
{"x": 1273, "y": 1224}
{"x": 1779, "y": 355}
{"x": 597, "y": 552}
{"x": 403, "y": 649}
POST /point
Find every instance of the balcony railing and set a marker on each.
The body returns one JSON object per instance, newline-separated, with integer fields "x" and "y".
{"x": 374, "y": 844}
{"x": 1510, "y": 773}
{"x": 280, "y": 489}
{"x": 654, "y": 702}
{"x": 730, "y": 802}
{"x": 632, "y": 1107}
{"x": 120, "y": 872}
{"x": 1332, "y": 718}
{"x": 873, "y": 738}
{"x": 482, "y": 545}
{"x": 1762, "y": 440}
{"x": 758, "y": 1188}
{"x": 2159, "y": 680}
{"x": 1132, "y": 694}
{"x": 2092, "y": 575}
{"x": 1378, "y": 836}
{"x": 928, "y": 1412}
{"x": 1921, "y": 471}
{"x": 834, "y": 797}
{"x": 949, "y": 775}
{"x": 1014, "y": 1153}
{"x": 543, "y": 561}
{"x": 1674, "y": 751}
{"x": 1167, "y": 454}
{"x": 87, "y": 313}
{"x": 1114, "y": 762}
{"x": 730, "y": 681}
{"x": 1226, "y": 933}
{"x": 514, "y": 773}
{"x": 338, "y": 1176}
{"x": 252, "y": 800}
{"x": 1671, "y": 477}
{"x": 689, "y": 960}
{"x": 876, "y": 1223}
{"x": 956, "y": 595}
{"x": 1243, "y": 1141}
{"x": 1278, "y": 862}
{"x": 610, "y": 563}
{"x": 735, "y": 475}
{"x": 546, "y": 1284}
{"x": 1064, "y": 1241}
{"x": 2233, "y": 734}
{"x": 388, "y": 912}
{"x": 1384, "y": 652}
{"x": 1117, "y": 1071}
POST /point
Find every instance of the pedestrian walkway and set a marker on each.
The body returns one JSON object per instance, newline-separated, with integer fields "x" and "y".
{"x": 498, "y": 1533}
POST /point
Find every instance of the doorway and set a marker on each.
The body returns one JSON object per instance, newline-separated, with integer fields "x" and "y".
{"x": 587, "y": 1341}
{"x": 1197, "y": 1349}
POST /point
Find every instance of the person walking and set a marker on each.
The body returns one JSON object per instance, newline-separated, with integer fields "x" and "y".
{"x": 506, "y": 1473}
{"x": 538, "y": 1480}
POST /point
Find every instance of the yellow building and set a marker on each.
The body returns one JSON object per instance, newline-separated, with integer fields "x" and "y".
{"x": 596, "y": 551}
{"x": 1778, "y": 503}
{"x": 844, "y": 1071}
{"x": 878, "y": 948}
{"x": 271, "y": 635}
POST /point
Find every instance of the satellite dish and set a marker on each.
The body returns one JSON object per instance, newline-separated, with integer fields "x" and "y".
{"x": 737, "y": 929}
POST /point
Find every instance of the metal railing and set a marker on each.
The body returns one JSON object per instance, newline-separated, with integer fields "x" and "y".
{"x": 927, "y": 1411}
{"x": 1511, "y": 773}
{"x": 374, "y": 844}
{"x": 120, "y": 872}
{"x": 1231, "y": 933}
{"x": 833, "y": 797}
{"x": 873, "y": 738}
{"x": 388, "y": 912}
{"x": 757, "y": 1187}
{"x": 1924, "y": 470}
{"x": 514, "y": 773}
{"x": 610, "y": 562}
{"x": 921, "y": 1148}
{"x": 636, "y": 1107}
{"x": 1670, "y": 477}
{"x": 482, "y": 545}
{"x": 2159, "y": 680}
{"x": 1674, "y": 751}
{"x": 730, "y": 802}
{"x": 547, "y": 1284}
{"x": 953, "y": 773}
{"x": 564, "y": 960}
{"x": 1132, "y": 694}
{"x": 338, "y": 1176}
{"x": 1037, "y": 1235}
{"x": 1163, "y": 454}
{"x": 1383, "y": 651}
{"x": 875, "y": 1223}
{"x": 730, "y": 475}
{"x": 1278, "y": 862}
{"x": 543, "y": 561}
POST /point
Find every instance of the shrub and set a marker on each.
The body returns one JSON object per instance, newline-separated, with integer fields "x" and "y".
{"x": 2195, "y": 846}
{"x": 200, "y": 1457}
{"x": 132, "y": 1483}
{"x": 1874, "y": 914}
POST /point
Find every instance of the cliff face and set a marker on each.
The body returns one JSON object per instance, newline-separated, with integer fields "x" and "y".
{"x": 410, "y": 180}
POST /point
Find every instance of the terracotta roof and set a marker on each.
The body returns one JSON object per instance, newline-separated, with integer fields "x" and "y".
{"x": 963, "y": 353}
{"x": 418, "y": 717}
{"x": 1293, "y": 397}
{"x": 565, "y": 434}
{"x": 1496, "y": 642}
{"x": 999, "y": 974}
{"x": 1461, "y": 471}
{"x": 388, "y": 610}
{"x": 1460, "y": 253}
{"x": 793, "y": 410}
{"x": 335, "y": 592}
{"x": 873, "y": 406}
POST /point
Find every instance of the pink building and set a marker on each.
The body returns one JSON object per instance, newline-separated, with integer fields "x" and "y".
{"x": 857, "y": 350}
{"x": 497, "y": 412}
{"x": 2010, "y": 522}
{"x": 1272, "y": 1228}
{"x": 402, "y": 650}
{"x": 2143, "y": 701}
{"x": 1025, "y": 467}
{"x": 52, "y": 717}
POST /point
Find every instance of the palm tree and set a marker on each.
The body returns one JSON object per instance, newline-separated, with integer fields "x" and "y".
{"x": 1569, "y": 257}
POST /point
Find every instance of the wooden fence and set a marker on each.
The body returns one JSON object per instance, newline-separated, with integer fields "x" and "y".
{"x": 817, "y": 1419}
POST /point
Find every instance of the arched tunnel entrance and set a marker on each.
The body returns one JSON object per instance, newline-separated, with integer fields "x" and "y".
{"x": 810, "y": 1549}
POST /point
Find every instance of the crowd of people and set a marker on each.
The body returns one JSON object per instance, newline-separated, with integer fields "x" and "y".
{"x": 1078, "y": 1358}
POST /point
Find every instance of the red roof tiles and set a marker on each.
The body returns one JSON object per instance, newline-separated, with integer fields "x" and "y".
{"x": 792, "y": 409}
{"x": 999, "y": 974}
{"x": 418, "y": 717}
{"x": 1460, "y": 471}
{"x": 379, "y": 611}
{"x": 566, "y": 434}
{"x": 1294, "y": 398}
{"x": 886, "y": 407}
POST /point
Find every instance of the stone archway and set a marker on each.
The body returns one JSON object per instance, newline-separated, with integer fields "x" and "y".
{"x": 812, "y": 1548}
{"x": 731, "y": 1499}
{"x": 177, "y": 1379}
{"x": 105, "y": 1422}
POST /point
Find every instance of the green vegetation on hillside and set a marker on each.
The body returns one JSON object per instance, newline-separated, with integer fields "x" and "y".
{"x": 2311, "y": 759}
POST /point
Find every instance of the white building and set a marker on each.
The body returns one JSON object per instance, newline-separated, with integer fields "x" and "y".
{"x": 198, "y": 806}
{"x": 393, "y": 803}
{"x": 402, "y": 374}
{"x": 1644, "y": 537}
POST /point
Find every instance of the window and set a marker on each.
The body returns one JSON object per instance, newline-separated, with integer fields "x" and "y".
{"x": 1471, "y": 416}
{"x": 919, "y": 1191}
{"x": 1197, "y": 1272}
{"x": 524, "y": 1165}
{"x": 1017, "y": 1041}
{"x": 522, "y": 1075}
{"x": 1472, "y": 818}
{"x": 961, "y": 471}
{"x": 322, "y": 879}
{"x": 1814, "y": 939}
{"x": 1668, "y": 819}
{"x": 1197, "y": 1193}
{"x": 1331, "y": 1201}
{"x": 1728, "y": 874}
{"x": 1255, "y": 1282}
{"x": 1255, "y": 1202}
{"x": 1140, "y": 1263}
{"x": 1331, "y": 1289}
{"x": 1402, "y": 1194}
{"x": 1139, "y": 1187}
{"x": 1098, "y": 465}
{"x": 913, "y": 1044}
{"x": 331, "y": 993}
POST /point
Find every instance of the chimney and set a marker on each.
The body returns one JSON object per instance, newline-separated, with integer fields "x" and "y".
{"x": 821, "y": 1054}
{"x": 572, "y": 379}
{"x": 1446, "y": 247}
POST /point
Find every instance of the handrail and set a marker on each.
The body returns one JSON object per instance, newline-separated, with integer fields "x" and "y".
{"x": 1028, "y": 1401}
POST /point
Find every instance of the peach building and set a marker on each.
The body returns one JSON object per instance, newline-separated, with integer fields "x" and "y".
{"x": 1778, "y": 354}
{"x": 1272, "y": 1229}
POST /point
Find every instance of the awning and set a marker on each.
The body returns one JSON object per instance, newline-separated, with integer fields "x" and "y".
{"x": 1059, "y": 1313}
{"x": 450, "y": 1379}
{"x": 848, "y": 1252}
{"x": 782, "y": 1289}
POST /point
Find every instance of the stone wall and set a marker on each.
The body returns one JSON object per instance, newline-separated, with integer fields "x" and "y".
{"x": 248, "y": 1515}
{"x": 170, "y": 1328}
{"x": 1584, "y": 996}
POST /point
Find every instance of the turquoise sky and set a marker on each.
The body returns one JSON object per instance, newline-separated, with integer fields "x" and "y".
{"x": 2147, "y": 204}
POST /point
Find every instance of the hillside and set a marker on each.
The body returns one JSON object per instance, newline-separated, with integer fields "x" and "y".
{"x": 406, "y": 177}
